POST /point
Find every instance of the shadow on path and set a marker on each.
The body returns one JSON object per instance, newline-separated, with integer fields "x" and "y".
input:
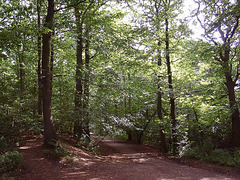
{"x": 120, "y": 160}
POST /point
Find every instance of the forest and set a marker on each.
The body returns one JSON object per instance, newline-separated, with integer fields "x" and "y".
{"x": 158, "y": 72}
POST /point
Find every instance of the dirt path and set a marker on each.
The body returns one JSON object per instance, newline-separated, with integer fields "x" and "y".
{"x": 120, "y": 160}
{"x": 36, "y": 164}
{"x": 111, "y": 146}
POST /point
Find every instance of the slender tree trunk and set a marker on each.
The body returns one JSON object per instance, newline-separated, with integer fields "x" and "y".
{"x": 21, "y": 62}
{"x": 78, "y": 129}
{"x": 39, "y": 70}
{"x": 21, "y": 68}
{"x": 140, "y": 134}
{"x": 50, "y": 135}
{"x": 51, "y": 64}
{"x": 170, "y": 86}
{"x": 86, "y": 85}
{"x": 128, "y": 109}
{"x": 163, "y": 143}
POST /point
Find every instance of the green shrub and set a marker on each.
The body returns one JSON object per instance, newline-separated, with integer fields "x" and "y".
{"x": 121, "y": 136}
{"x": 195, "y": 152}
{"x": 217, "y": 156}
{"x": 221, "y": 157}
{"x": 236, "y": 158}
{"x": 4, "y": 144}
{"x": 10, "y": 161}
{"x": 55, "y": 151}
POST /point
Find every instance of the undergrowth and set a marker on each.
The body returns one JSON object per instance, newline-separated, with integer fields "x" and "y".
{"x": 57, "y": 151}
{"x": 10, "y": 158}
{"x": 208, "y": 153}
{"x": 10, "y": 161}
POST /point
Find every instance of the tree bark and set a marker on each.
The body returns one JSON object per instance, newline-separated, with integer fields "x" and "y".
{"x": 39, "y": 69}
{"x": 78, "y": 129}
{"x": 163, "y": 143}
{"x": 50, "y": 135}
{"x": 86, "y": 85}
{"x": 230, "y": 84}
{"x": 51, "y": 65}
{"x": 170, "y": 86}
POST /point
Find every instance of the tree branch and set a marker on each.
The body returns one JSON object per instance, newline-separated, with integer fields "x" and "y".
{"x": 222, "y": 34}
{"x": 237, "y": 75}
{"x": 235, "y": 53}
{"x": 217, "y": 59}
{"x": 146, "y": 125}
{"x": 205, "y": 30}
{"x": 70, "y": 6}
{"x": 234, "y": 28}
{"x": 87, "y": 8}
{"x": 94, "y": 55}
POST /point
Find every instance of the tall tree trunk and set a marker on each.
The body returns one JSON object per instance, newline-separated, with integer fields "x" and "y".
{"x": 78, "y": 129}
{"x": 170, "y": 86}
{"x": 163, "y": 143}
{"x": 197, "y": 132}
{"x": 50, "y": 135}
{"x": 128, "y": 108}
{"x": 21, "y": 61}
{"x": 86, "y": 85}
{"x": 232, "y": 98}
{"x": 39, "y": 69}
{"x": 51, "y": 64}
{"x": 21, "y": 68}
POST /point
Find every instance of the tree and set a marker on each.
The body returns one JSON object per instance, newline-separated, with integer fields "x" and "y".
{"x": 165, "y": 33}
{"x": 86, "y": 84}
{"x": 175, "y": 95}
{"x": 163, "y": 143}
{"x": 39, "y": 68}
{"x": 169, "y": 74}
{"x": 50, "y": 135}
{"x": 223, "y": 21}
{"x": 79, "y": 68}
{"x": 85, "y": 16}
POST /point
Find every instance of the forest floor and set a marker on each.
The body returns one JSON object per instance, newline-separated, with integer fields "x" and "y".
{"x": 118, "y": 160}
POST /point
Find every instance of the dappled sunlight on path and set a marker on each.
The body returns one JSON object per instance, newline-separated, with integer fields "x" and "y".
{"x": 120, "y": 160}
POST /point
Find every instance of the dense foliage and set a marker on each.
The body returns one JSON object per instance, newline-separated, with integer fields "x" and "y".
{"x": 130, "y": 69}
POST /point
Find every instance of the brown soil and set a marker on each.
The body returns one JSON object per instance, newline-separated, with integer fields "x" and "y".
{"x": 119, "y": 160}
